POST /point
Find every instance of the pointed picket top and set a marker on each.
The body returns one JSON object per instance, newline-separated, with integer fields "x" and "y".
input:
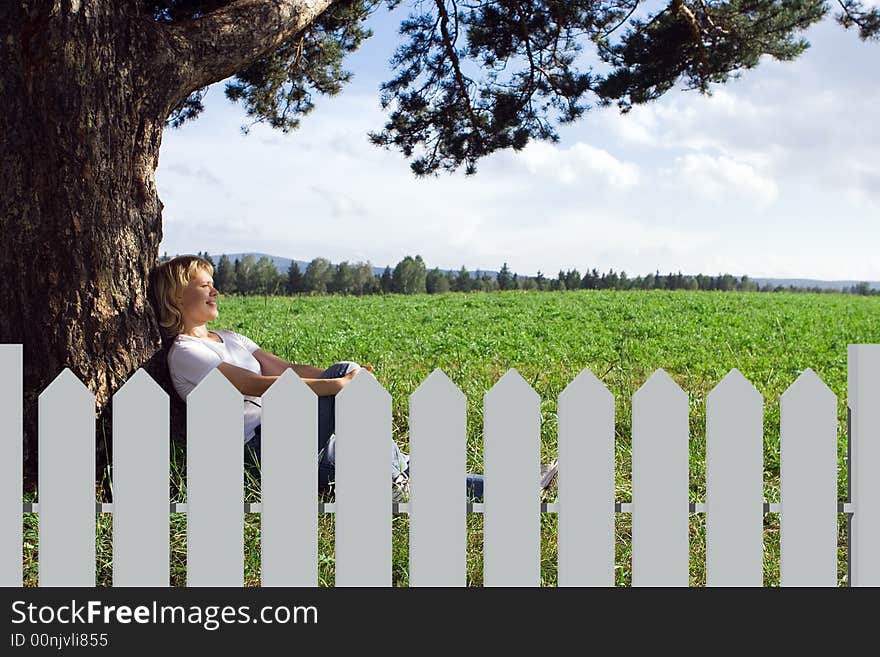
{"x": 809, "y": 385}
{"x": 363, "y": 477}
{"x": 660, "y": 483}
{"x": 512, "y": 386}
{"x": 216, "y": 388}
{"x": 587, "y": 384}
{"x": 67, "y": 386}
{"x": 66, "y": 471}
{"x": 289, "y": 484}
{"x": 734, "y": 489}
{"x": 660, "y": 383}
{"x": 288, "y": 384}
{"x": 140, "y": 386}
{"x": 437, "y": 385}
{"x": 214, "y": 484}
{"x": 808, "y": 483}
{"x": 586, "y": 483}
{"x": 363, "y": 383}
{"x": 511, "y": 452}
{"x": 140, "y": 491}
{"x": 736, "y": 386}
{"x": 437, "y": 515}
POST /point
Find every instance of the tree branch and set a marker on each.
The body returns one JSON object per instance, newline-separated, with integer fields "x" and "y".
{"x": 460, "y": 82}
{"x": 211, "y": 48}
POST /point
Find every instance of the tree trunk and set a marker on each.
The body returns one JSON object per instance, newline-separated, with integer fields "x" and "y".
{"x": 80, "y": 218}
{"x": 86, "y": 87}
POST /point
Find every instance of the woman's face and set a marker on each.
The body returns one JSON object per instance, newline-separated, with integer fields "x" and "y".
{"x": 198, "y": 301}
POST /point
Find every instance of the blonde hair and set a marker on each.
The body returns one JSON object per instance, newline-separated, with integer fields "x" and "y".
{"x": 169, "y": 280}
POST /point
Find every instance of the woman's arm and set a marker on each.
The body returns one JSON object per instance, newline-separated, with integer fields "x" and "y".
{"x": 255, "y": 385}
{"x": 272, "y": 365}
{"x": 247, "y": 382}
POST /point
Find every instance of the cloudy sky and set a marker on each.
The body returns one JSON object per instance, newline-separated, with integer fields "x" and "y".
{"x": 775, "y": 175}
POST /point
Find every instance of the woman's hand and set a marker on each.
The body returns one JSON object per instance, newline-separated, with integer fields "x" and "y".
{"x": 345, "y": 380}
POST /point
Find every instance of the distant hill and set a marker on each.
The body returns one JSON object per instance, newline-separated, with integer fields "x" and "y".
{"x": 809, "y": 282}
{"x": 283, "y": 264}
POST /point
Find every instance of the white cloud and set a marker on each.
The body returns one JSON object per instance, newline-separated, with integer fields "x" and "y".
{"x": 720, "y": 178}
{"x": 577, "y": 163}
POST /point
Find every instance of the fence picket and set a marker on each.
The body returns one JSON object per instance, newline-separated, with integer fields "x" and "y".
{"x": 660, "y": 483}
{"x": 140, "y": 484}
{"x": 215, "y": 484}
{"x": 864, "y": 462}
{"x": 289, "y": 483}
{"x": 10, "y": 464}
{"x": 66, "y": 472}
{"x": 734, "y": 483}
{"x": 511, "y": 521}
{"x": 586, "y": 483}
{"x": 438, "y": 528}
{"x": 808, "y": 444}
{"x": 363, "y": 483}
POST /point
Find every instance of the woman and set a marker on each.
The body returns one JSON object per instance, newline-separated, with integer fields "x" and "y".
{"x": 187, "y": 301}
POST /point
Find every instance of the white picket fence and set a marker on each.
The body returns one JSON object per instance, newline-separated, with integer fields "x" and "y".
{"x": 586, "y": 506}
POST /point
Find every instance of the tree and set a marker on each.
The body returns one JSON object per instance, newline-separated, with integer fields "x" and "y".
{"x": 82, "y": 125}
{"x": 245, "y": 274}
{"x": 462, "y": 281}
{"x": 343, "y": 279}
{"x": 294, "y": 279}
{"x": 364, "y": 280}
{"x": 386, "y": 282}
{"x": 318, "y": 276}
{"x": 224, "y": 276}
{"x": 504, "y": 279}
{"x": 540, "y": 281}
{"x": 436, "y": 282}
{"x": 409, "y": 276}
{"x": 266, "y": 279}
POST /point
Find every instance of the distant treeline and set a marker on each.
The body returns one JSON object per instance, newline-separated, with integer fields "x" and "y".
{"x": 248, "y": 276}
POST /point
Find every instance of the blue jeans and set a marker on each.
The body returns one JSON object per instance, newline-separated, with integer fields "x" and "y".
{"x": 327, "y": 442}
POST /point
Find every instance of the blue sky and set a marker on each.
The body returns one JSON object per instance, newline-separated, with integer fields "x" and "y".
{"x": 775, "y": 175}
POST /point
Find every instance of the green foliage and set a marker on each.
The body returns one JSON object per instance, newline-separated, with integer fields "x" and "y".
{"x": 278, "y": 88}
{"x": 856, "y": 14}
{"x": 318, "y": 276}
{"x": 436, "y": 282}
{"x": 224, "y": 276}
{"x": 505, "y": 281}
{"x": 702, "y": 44}
{"x": 294, "y": 279}
{"x": 409, "y": 276}
{"x": 475, "y": 77}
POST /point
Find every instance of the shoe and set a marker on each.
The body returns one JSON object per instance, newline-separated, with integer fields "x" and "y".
{"x": 400, "y": 488}
{"x": 548, "y": 473}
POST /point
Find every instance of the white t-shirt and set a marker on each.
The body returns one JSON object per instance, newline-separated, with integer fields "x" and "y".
{"x": 191, "y": 359}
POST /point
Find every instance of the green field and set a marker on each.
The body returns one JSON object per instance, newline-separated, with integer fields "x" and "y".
{"x": 696, "y": 337}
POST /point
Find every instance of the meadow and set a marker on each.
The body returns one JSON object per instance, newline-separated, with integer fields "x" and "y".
{"x": 622, "y": 337}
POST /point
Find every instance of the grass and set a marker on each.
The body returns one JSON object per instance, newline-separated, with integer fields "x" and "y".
{"x": 623, "y": 337}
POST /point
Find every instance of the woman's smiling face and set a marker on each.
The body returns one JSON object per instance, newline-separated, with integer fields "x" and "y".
{"x": 199, "y": 300}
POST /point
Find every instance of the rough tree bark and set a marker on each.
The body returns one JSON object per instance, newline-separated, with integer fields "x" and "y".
{"x": 86, "y": 87}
